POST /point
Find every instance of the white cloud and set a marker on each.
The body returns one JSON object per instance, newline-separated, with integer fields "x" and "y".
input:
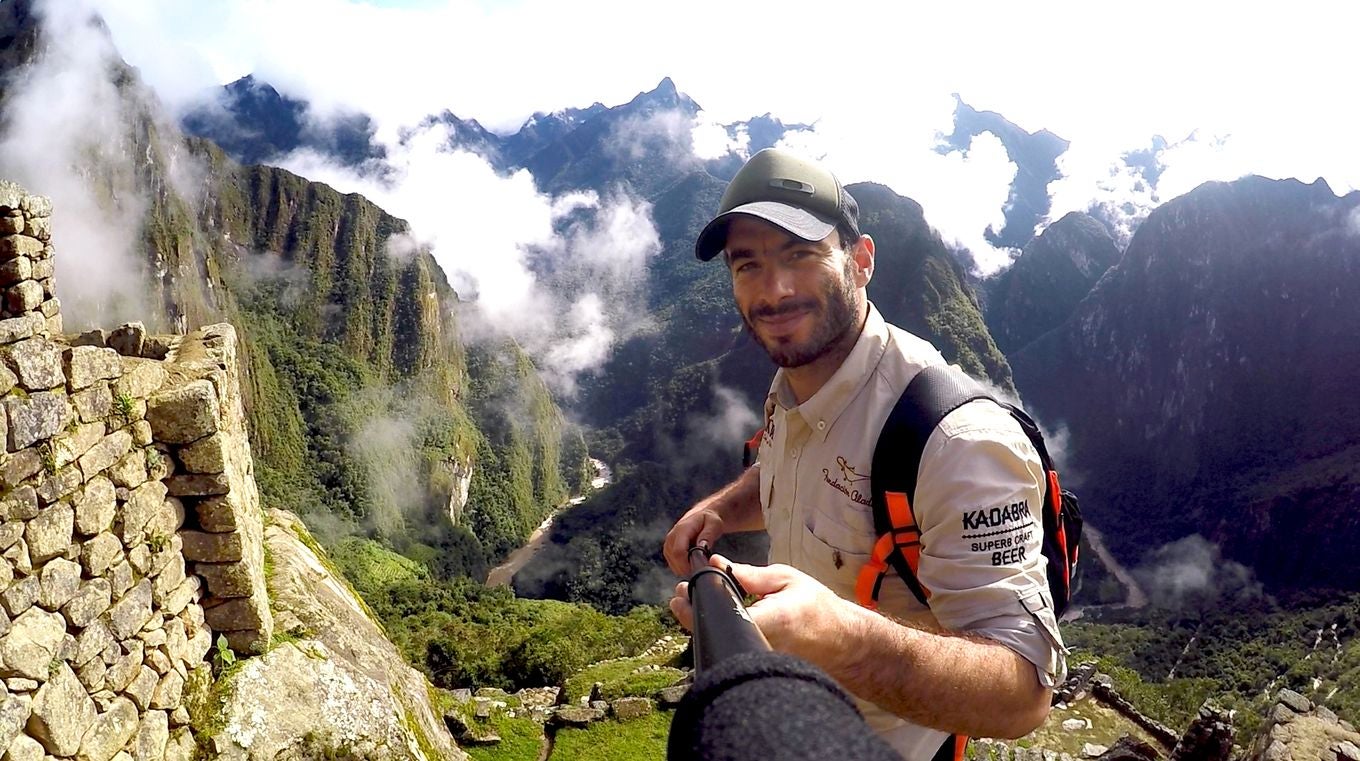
{"x": 1102, "y": 77}
{"x": 712, "y": 141}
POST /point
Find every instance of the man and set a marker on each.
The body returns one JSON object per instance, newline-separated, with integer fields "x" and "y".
{"x": 980, "y": 661}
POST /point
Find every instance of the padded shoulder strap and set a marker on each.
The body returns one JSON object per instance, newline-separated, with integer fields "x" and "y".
{"x": 935, "y": 392}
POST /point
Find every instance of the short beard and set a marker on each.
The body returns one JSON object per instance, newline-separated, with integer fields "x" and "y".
{"x": 837, "y": 321}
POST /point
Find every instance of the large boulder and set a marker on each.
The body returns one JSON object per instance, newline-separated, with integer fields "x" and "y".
{"x": 346, "y": 691}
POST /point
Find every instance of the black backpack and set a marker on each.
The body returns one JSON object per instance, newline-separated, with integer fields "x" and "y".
{"x": 934, "y": 393}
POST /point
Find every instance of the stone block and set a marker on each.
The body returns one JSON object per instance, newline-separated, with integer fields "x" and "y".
{"x": 155, "y": 658}
{"x": 44, "y": 269}
{"x": 36, "y": 362}
{"x": 103, "y": 455}
{"x": 93, "y": 640}
{"x": 140, "y": 558}
{"x": 627, "y": 709}
{"x": 130, "y": 472}
{"x": 59, "y": 582}
{"x": 239, "y": 614}
{"x": 184, "y": 414}
{"x": 25, "y": 748}
{"x": 158, "y": 347}
{"x": 86, "y": 365}
{"x": 10, "y": 532}
{"x": 49, "y": 534}
{"x": 113, "y": 729}
{"x": 100, "y": 554}
{"x": 169, "y": 692}
{"x": 212, "y": 548}
{"x": 24, "y": 297}
{"x": 35, "y": 206}
{"x": 142, "y": 687}
{"x": 129, "y": 614}
{"x": 153, "y": 732}
{"x": 11, "y": 225}
{"x": 62, "y": 712}
{"x": 97, "y": 337}
{"x": 168, "y": 521}
{"x": 140, "y": 510}
{"x": 69, "y": 446}
{"x": 181, "y": 597}
{"x": 34, "y": 418}
{"x": 34, "y": 640}
{"x": 8, "y": 380}
{"x": 54, "y": 325}
{"x": 120, "y": 576}
{"x": 217, "y": 514}
{"x": 90, "y": 602}
{"x": 21, "y": 595}
{"x": 573, "y": 716}
{"x": 168, "y": 580}
{"x": 14, "y": 713}
{"x": 207, "y": 455}
{"x": 18, "y": 558}
{"x": 22, "y": 327}
{"x": 198, "y": 485}
{"x": 95, "y": 507}
{"x": 52, "y": 306}
{"x": 249, "y": 641}
{"x": 16, "y": 269}
{"x": 55, "y": 486}
{"x": 127, "y": 339}
{"x": 141, "y": 433}
{"x": 22, "y": 502}
{"x": 94, "y": 403}
{"x": 20, "y": 245}
{"x": 141, "y": 377}
{"x": 1296, "y": 702}
{"x": 127, "y": 667}
{"x": 93, "y": 674}
{"x": 226, "y": 580}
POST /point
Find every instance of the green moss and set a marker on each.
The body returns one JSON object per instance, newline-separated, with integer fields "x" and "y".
{"x": 623, "y": 677}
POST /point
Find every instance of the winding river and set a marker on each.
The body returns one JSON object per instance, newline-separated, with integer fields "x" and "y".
{"x": 501, "y": 575}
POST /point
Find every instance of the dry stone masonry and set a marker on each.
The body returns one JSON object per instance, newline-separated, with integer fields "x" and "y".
{"x": 130, "y": 528}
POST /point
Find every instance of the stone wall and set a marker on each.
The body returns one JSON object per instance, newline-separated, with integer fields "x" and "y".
{"x": 125, "y": 485}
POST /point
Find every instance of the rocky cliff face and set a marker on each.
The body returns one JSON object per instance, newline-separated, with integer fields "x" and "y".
{"x": 1053, "y": 273}
{"x": 133, "y": 536}
{"x": 1206, "y": 380}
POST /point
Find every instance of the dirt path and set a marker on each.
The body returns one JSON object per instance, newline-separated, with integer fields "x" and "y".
{"x": 502, "y": 574}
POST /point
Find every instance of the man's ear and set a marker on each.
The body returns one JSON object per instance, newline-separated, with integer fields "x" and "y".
{"x": 863, "y": 254}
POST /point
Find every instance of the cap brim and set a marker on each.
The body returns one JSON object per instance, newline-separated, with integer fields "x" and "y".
{"x": 798, "y": 222}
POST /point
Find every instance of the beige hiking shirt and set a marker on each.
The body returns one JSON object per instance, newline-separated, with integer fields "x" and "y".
{"x": 978, "y": 503}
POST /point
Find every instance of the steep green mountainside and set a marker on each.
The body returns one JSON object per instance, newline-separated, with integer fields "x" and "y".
{"x": 1054, "y": 272}
{"x": 367, "y": 414}
{"x": 1207, "y": 381}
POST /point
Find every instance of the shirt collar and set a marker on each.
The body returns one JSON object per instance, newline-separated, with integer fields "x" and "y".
{"x": 834, "y": 396}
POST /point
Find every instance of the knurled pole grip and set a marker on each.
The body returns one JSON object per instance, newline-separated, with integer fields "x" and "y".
{"x": 722, "y": 627}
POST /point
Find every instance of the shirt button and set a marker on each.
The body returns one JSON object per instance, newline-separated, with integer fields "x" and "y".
{"x": 821, "y": 425}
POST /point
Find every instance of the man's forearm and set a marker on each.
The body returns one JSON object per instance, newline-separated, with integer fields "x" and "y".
{"x": 738, "y": 503}
{"x": 953, "y": 681}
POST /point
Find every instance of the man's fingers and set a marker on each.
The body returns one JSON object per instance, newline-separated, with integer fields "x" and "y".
{"x": 755, "y": 579}
{"x": 680, "y": 606}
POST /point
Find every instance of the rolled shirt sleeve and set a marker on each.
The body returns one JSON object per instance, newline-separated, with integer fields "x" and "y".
{"x": 979, "y": 507}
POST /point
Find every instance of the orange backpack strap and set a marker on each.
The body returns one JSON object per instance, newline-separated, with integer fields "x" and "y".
{"x": 952, "y": 750}
{"x": 935, "y": 392}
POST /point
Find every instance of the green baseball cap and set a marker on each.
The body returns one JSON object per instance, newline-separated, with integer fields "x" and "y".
{"x": 798, "y": 195}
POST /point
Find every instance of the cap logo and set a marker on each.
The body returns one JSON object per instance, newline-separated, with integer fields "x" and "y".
{"x": 795, "y": 185}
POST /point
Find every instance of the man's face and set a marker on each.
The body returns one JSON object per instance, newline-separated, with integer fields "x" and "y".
{"x": 799, "y": 299}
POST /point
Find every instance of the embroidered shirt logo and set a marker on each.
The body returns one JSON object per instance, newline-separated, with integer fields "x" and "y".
{"x": 845, "y": 480}
{"x": 848, "y": 471}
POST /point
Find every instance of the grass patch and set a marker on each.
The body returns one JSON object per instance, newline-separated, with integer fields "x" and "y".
{"x": 638, "y": 740}
{"x": 620, "y": 677}
{"x": 521, "y": 740}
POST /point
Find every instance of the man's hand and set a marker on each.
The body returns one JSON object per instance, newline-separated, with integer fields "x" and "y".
{"x": 735, "y": 507}
{"x": 795, "y": 612}
{"x": 702, "y": 524}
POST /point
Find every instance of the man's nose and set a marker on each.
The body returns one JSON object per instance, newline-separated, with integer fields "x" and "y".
{"x": 778, "y": 282}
